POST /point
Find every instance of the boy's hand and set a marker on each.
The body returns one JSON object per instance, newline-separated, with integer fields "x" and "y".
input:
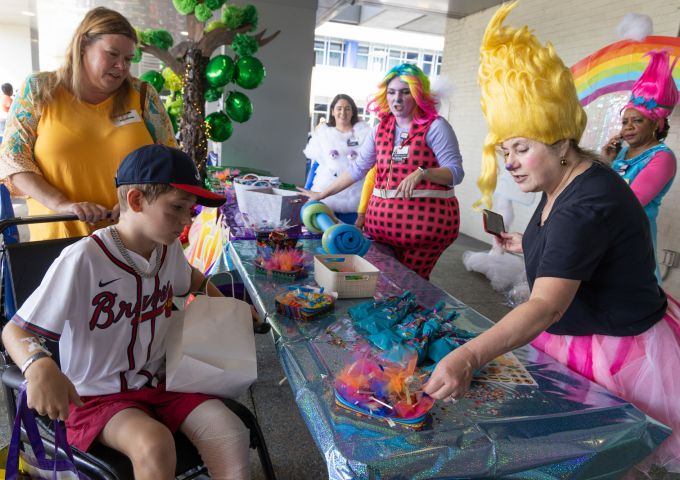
{"x": 258, "y": 325}
{"x": 256, "y": 316}
{"x": 49, "y": 391}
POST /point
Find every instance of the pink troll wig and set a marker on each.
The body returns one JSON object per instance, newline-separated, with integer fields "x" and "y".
{"x": 655, "y": 94}
{"x": 418, "y": 84}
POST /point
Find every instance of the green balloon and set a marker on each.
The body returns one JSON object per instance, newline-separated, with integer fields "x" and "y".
{"x": 249, "y": 72}
{"x": 218, "y": 127}
{"x": 212, "y": 94}
{"x": 155, "y": 79}
{"x": 220, "y": 71}
{"x": 238, "y": 107}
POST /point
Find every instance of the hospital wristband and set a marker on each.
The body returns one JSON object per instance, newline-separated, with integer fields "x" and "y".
{"x": 33, "y": 358}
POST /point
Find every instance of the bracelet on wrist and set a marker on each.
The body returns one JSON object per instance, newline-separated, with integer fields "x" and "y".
{"x": 32, "y": 359}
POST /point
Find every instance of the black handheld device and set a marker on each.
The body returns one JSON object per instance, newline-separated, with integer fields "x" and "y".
{"x": 493, "y": 222}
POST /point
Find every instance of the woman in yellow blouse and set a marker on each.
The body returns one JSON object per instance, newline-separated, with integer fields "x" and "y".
{"x": 68, "y": 130}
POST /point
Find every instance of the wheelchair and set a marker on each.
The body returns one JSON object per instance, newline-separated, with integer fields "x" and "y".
{"x": 26, "y": 265}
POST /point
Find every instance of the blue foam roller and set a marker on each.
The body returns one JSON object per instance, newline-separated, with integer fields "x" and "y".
{"x": 323, "y": 221}
{"x": 343, "y": 238}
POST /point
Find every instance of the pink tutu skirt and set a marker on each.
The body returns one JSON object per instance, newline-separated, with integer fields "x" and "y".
{"x": 644, "y": 370}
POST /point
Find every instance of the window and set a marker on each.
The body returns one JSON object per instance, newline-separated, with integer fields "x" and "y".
{"x": 319, "y": 52}
{"x": 393, "y": 59}
{"x": 428, "y": 60}
{"x": 362, "y": 57}
{"x": 320, "y": 111}
{"x": 369, "y": 117}
{"x": 335, "y": 53}
{"x": 377, "y": 59}
{"x": 411, "y": 57}
{"x": 373, "y": 57}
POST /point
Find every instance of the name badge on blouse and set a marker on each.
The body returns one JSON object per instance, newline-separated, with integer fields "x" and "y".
{"x": 128, "y": 117}
{"x": 400, "y": 153}
{"x": 352, "y": 142}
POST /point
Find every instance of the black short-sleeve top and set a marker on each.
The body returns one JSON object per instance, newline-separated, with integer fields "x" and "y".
{"x": 598, "y": 233}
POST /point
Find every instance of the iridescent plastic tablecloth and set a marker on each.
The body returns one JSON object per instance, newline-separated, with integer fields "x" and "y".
{"x": 566, "y": 427}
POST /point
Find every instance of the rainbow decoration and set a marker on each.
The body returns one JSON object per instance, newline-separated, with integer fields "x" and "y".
{"x": 616, "y": 67}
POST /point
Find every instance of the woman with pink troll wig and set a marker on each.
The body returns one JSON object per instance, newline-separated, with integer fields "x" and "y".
{"x": 412, "y": 208}
{"x": 646, "y": 163}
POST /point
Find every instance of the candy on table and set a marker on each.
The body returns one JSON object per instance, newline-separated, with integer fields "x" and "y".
{"x": 401, "y": 328}
{"x": 276, "y": 239}
{"x": 304, "y": 302}
{"x": 282, "y": 260}
{"x": 277, "y": 255}
{"x": 383, "y": 389}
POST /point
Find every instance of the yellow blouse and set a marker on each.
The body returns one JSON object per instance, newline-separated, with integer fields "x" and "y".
{"x": 77, "y": 147}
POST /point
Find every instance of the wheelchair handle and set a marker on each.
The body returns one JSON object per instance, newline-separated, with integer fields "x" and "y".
{"x": 60, "y": 217}
{"x": 9, "y": 222}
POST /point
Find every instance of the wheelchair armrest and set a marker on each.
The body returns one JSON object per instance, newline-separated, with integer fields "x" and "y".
{"x": 262, "y": 328}
{"x": 12, "y": 377}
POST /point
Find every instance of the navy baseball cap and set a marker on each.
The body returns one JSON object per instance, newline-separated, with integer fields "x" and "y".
{"x": 167, "y": 165}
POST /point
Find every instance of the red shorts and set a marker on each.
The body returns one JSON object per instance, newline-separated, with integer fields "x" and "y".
{"x": 85, "y": 423}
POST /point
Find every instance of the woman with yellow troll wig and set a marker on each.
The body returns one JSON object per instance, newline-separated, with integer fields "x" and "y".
{"x": 595, "y": 304}
{"x": 413, "y": 207}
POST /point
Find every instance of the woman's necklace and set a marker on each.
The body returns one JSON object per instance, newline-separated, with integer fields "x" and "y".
{"x": 547, "y": 208}
{"x": 126, "y": 256}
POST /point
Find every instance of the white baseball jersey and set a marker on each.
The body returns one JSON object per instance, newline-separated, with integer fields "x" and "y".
{"x": 110, "y": 322}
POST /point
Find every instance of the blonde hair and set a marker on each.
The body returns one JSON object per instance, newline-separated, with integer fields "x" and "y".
{"x": 97, "y": 22}
{"x": 526, "y": 91}
{"x": 151, "y": 192}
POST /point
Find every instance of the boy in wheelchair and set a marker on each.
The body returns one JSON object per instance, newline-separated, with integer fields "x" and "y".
{"x": 107, "y": 299}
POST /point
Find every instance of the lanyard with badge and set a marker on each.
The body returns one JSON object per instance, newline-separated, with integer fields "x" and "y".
{"x": 352, "y": 141}
{"x": 399, "y": 154}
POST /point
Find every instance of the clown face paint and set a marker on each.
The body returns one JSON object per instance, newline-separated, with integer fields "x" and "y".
{"x": 400, "y": 100}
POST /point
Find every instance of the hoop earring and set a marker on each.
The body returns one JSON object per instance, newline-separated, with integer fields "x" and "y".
{"x": 563, "y": 161}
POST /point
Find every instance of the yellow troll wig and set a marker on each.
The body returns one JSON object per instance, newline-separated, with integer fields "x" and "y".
{"x": 527, "y": 91}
